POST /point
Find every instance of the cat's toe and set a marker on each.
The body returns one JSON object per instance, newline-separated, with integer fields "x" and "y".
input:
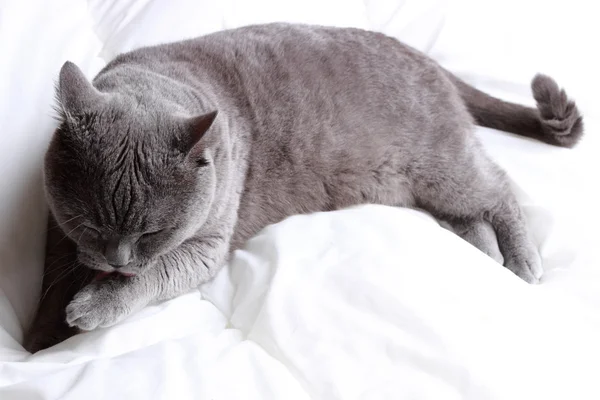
{"x": 96, "y": 305}
{"x": 529, "y": 268}
{"x": 82, "y": 312}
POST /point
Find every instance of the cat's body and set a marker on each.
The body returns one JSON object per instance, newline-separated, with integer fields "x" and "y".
{"x": 309, "y": 119}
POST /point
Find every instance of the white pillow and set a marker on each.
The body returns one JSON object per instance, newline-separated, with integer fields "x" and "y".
{"x": 501, "y": 45}
{"x": 124, "y": 26}
{"x": 415, "y": 22}
{"x": 36, "y": 37}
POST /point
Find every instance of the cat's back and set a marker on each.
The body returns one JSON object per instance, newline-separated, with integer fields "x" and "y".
{"x": 258, "y": 45}
{"x": 286, "y": 78}
{"x": 268, "y": 61}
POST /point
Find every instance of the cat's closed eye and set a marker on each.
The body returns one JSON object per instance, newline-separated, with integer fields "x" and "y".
{"x": 91, "y": 230}
{"x": 148, "y": 235}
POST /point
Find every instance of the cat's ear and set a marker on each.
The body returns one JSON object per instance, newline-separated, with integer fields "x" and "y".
{"x": 197, "y": 127}
{"x": 197, "y": 140}
{"x": 75, "y": 94}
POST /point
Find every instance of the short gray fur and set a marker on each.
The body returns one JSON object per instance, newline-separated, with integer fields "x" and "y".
{"x": 176, "y": 154}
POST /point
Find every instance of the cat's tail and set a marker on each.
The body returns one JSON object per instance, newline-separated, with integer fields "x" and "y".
{"x": 556, "y": 120}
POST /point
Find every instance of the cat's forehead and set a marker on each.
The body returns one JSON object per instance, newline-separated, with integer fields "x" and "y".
{"x": 125, "y": 136}
{"x": 121, "y": 159}
{"x": 114, "y": 121}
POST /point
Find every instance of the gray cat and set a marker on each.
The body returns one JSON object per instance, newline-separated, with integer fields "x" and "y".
{"x": 176, "y": 154}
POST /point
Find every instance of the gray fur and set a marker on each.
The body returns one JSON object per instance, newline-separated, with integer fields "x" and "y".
{"x": 144, "y": 175}
{"x": 556, "y": 120}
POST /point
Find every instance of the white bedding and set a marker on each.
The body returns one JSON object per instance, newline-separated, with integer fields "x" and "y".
{"x": 367, "y": 303}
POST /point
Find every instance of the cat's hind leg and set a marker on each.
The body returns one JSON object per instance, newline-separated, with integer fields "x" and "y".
{"x": 520, "y": 254}
{"x": 468, "y": 188}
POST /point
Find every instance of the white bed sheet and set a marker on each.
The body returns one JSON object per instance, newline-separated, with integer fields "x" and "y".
{"x": 367, "y": 303}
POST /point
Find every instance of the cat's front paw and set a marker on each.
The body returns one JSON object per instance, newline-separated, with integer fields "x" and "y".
{"x": 99, "y": 304}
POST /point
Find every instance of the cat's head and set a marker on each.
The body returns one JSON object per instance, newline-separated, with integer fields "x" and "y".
{"x": 127, "y": 183}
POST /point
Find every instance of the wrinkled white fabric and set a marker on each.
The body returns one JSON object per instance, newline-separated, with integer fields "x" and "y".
{"x": 366, "y": 303}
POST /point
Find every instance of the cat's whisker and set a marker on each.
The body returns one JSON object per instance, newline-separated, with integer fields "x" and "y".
{"x": 85, "y": 228}
{"x": 47, "y": 269}
{"x": 66, "y": 235}
{"x": 66, "y": 255}
{"x": 56, "y": 280}
{"x": 77, "y": 278}
{"x": 68, "y": 269}
{"x": 64, "y": 222}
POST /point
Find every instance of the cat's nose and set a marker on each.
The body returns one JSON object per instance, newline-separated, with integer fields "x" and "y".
{"x": 117, "y": 253}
